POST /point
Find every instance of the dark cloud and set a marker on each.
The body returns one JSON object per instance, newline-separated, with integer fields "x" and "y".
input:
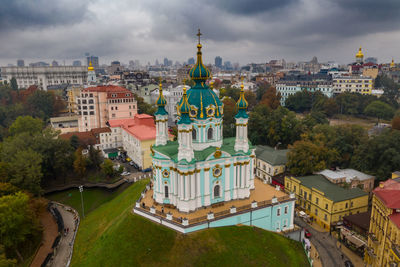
{"x": 40, "y": 13}
{"x": 251, "y": 30}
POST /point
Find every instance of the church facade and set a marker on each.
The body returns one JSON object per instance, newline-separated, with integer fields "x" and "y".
{"x": 201, "y": 168}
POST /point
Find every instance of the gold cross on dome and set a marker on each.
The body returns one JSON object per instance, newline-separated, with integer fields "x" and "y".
{"x": 199, "y": 34}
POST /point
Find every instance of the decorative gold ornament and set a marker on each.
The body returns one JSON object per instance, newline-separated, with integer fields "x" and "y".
{"x": 217, "y": 153}
{"x": 217, "y": 171}
{"x": 165, "y": 173}
{"x": 152, "y": 150}
{"x": 210, "y": 110}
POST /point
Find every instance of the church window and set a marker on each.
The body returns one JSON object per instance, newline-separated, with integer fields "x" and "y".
{"x": 210, "y": 133}
{"x": 217, "y": 171}
{"x": 165, "y": 173}
{"x": 194, "y": 134}
{"x": 166, "y": 191}
{"x": 216, "y": 191}
{"x": 193, "y": 113}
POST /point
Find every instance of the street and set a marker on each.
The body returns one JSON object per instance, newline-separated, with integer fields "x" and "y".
{"x": 325, "y": 244}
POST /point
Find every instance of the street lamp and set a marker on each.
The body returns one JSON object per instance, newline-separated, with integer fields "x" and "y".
{"x": 81, "y": 190}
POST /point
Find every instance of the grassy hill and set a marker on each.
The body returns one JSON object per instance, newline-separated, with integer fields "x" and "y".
{"x": 112, "y": 236}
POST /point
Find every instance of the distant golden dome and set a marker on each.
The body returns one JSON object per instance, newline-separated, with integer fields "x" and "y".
{"x": 90, "y": 68}
{"x": 392, "y": 65}
{"x": 359, "y": 53}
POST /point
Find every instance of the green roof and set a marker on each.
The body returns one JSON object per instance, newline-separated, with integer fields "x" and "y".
{"x": 332, "y": 191}
{"x": 171, "y": 149}
{"x": 271, "y": 155}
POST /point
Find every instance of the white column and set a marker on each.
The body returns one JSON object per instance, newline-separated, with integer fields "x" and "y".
{"x": 198, "y": 193}
{"x": 242, "y": 167}
{"x": 181, "y": 194}
{"x": 207, "y": 198}
{"x": 193, "y": 183}
{"x": 227, "y": 183}
{"x": 187, "y": 188}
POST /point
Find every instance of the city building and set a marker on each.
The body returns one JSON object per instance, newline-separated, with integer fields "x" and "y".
{"x": 218, "y": 62}
{"x": 270, "y": 162}
{"x": 326, "y": 202}
{"x": 353, "y": 84}
{"x": 135, "y": 136}
{"x": 384, "y": 230}
{"x": 45, "y": 76}
{"x": 65, "y": 124}
{"x": 97, "y": 105}
{"x": 94, "y": 60}
{"x": 20, "y": 63}
{"x": 203, "y": 180}
{"x": 350, "y": 178}
{"x": 290, "y": 85}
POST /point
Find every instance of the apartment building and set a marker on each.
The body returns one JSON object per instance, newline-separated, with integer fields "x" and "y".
{"x": 384, "y": 229}
{"x": 270, "y": 162}
{"x": 44, "y": 76}
{"x": 97, "y": 105}
{"x": 353, "y": 84}
{"x": 326, "y": 202}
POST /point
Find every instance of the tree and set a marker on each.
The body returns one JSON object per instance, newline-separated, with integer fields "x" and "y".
{"x": 41, "y": 104}
{"x": 79, "y": 163}
{"x": 271, "y": 98}
{"x": 25, "y": 170}
{"x": 308, "y": 156}
{"x": 251, "y": 99}
{"x": 4, "y": 262}
{"x": 229, "y": 117}
{"x": 108, "y": 167}
{"x": 379, "y": 110}
{"x": 7, "y": 189}
{"x": 26, "y": 124}
{"x": 300, "y": 102}
{"x": 74, "y": 142}
{"x": 14, "y": 84}
{"x": 17, "y": 221}
{"x": 94, "y": 158}
{"x": 396, "y": 123}
{"x": 143, "y": 107}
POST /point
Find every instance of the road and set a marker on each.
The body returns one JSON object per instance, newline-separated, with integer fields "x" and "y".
{"x": 330, "y": 255}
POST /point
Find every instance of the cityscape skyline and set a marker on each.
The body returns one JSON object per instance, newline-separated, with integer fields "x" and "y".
{"x": 253, "y": 32}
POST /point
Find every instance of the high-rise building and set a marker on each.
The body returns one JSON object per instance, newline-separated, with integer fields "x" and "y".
{"x": 77, "y": 63}
{"x": 166, "y": 62}
{"x": 218, "y": 61}
{"x": 20, "y": 63}
{"x": 191, "y": 61}
{"x": 94, "y": 60}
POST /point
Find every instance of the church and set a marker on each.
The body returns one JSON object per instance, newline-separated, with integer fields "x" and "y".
{"x": 202, "y": 168}
{"x": 203, "y": 180}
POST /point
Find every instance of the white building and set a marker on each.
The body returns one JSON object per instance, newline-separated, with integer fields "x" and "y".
{"x": 352, "y": 84}
{"x": 288, "y": 88}
{"x": 45, "y": 76}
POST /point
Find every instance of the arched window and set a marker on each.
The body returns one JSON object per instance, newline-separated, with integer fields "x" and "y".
{"x": 210, "y": 133}
{"x": 194, "y": 134}
{"x": 166, "y": 191}
{"x": 216, "y": 191}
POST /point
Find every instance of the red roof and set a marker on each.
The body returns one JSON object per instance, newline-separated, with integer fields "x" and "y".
{"x": 142, "y": 126}
{"x": 389, "y": 193}
{"x": 395, "y": 218}
{"x": 107, "y": 88}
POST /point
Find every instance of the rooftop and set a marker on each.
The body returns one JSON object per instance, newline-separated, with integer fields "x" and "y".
{"x": 349, "y": 174}
{"x": 389, "y": 193}
{"x": 171, "y": 149}
{"x": 271, "y": 155}
{"x": 107, "y": 88}
{"x": 360, "y": 219}
{"x": 262, "y": 193}
{"x": 331, "y": 190}
{"x": 142, "y": 126}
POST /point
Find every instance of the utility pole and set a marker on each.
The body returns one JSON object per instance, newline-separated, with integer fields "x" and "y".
{"x": 83, "y": 209}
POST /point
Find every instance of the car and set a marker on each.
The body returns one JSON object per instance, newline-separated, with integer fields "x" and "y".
{"x": 125, "y": 173}
{"x": 131, "y": 163}
{"x": 348, "y": 264}
{"x": 128, "y": 159}
{"x": 147, "y": 170}
{"x": 307, "y": 233}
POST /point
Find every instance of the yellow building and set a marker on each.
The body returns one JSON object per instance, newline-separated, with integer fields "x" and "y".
{"x": 384, "y": 230}
{"x": 352, "y": 84}
{"x": 326, "y": 202}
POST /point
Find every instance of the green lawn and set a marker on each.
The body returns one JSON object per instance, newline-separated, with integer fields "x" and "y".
{"x": 112, "y": 236}
{"x": 92, "y": 198}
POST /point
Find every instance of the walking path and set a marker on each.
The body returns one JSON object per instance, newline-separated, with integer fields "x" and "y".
{"x": 50, "y": 232}
{"x": 63, "y": 254}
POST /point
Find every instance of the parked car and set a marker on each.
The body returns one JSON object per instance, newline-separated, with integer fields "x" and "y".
{"x": 134, "y": 165}
{"x": 147, "y": 170}
{"x": 128, "y": 159}
{"x": 125, "y": 173}
{"x": 307, "y": 233}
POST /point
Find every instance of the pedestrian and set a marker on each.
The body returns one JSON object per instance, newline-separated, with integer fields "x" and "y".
{"x": 162, "y": 209}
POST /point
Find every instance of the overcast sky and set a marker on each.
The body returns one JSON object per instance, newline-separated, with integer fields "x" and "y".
{"x": 239, "y": 31}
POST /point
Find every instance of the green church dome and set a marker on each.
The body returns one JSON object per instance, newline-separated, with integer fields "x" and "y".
{"x": 203, "y": 101}
{"x": 242, "y": 105}
{"x": 161, "y": 103}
